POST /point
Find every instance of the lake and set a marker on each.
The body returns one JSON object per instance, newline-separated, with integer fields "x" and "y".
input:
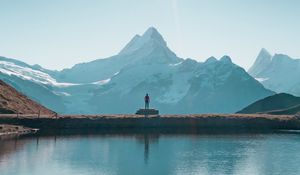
{"x": 153, "y": 154}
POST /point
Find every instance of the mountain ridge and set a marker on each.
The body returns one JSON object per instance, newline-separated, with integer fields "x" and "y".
{"x": 117, "y": 84}
{"x": 277, "y": 72}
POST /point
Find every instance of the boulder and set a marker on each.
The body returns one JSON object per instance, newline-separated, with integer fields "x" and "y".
{"x": 147, "y": 112}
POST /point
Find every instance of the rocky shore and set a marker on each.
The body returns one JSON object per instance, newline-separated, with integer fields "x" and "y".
{"x": 7, "y": 130}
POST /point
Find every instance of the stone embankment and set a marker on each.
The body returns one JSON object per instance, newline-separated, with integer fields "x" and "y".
{"x": 188, "y": 122}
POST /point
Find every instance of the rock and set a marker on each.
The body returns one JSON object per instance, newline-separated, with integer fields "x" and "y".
{"x": 147, "y": 112}
{"x": 14, "y": 130}
{"x": 298, "y": 115}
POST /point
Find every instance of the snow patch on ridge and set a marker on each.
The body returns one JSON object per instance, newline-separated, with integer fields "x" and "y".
{"x": 176, "y": 64}
{"x": 61, "y": 93}
{"x": 116, "y": 73}
{"x": 261, "y": 79}
{"x": 102, "y": 82}
{"x": 26, "y": 73}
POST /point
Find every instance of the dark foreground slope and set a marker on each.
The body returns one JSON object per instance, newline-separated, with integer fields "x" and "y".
{"x": 288, "y": 111}
{"x": 12, "y": 102}
{"x": 279, "y": 104}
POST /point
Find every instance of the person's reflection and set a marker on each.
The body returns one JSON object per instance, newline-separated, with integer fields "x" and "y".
{"x": 147, "y": 139}
{"x": 146, "y": 148}
{"x": 37, "y": 143}
{"x": 15, "y": 143}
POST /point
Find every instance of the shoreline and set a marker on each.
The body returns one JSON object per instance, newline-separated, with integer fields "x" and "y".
{"x": 11, "y": 131}
{"x": 157, "y": 122}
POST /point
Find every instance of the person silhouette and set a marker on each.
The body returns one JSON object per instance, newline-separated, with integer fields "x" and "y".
{"x": 147, "y": 101}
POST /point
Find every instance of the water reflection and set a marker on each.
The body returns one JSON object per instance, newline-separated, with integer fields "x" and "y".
{"x": 147, "y": 140}
{"x": 151, "y": 153}
{"x": 37, "y": 142}
{"x": 146, "y": 148}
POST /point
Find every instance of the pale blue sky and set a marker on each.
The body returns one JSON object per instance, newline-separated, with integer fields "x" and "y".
{"x": 60, "y": 33}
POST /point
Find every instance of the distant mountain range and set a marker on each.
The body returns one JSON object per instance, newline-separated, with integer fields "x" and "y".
{"x": 278, "y": 104}
{"x": 145, "y": 65}
{"x": 279, "y": 72}
{"x": 12, "y": 102}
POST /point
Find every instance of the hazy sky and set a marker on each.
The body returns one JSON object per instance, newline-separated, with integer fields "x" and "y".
{"x": 60, "y": 33}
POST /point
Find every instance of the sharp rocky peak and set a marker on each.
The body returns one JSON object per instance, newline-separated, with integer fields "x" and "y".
{"x": 150, "y": 37}
{"x": 264, "y": 54}
{"x": 264, "y": 51}
{"x": 153, "y": 34}
{"x": 262, "y": 61}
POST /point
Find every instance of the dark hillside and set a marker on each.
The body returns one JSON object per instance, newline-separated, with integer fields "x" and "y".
{"x": 276, "y": 104}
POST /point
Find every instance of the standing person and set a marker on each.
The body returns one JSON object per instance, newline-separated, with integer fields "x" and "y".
{"x": 147, "y": 101}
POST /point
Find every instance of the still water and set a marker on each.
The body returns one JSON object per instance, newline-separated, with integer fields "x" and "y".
{"x": 153, "y": 154}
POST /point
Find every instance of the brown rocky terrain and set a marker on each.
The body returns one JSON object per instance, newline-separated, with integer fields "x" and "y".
{"x": 13, "y": 102}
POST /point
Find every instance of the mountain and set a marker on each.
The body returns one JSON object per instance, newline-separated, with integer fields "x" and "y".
{"x": 12, "y": 101}
{"x": 276, "y": 104}
{"x": 145, "y": 65}
{"x": 278, "y": 72}
{"x": 215, "y": 86}
{"x": 149, "y": 48}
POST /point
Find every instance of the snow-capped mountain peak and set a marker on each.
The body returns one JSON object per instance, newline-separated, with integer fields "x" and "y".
{"x": 150, "y": 38}
{"x": 279, "y": 72}
{"x": 264, "y": 52}
{"x": 264, "y": 56}
{"x": 263, "y": 59}
{"x": 154, "y": 35}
